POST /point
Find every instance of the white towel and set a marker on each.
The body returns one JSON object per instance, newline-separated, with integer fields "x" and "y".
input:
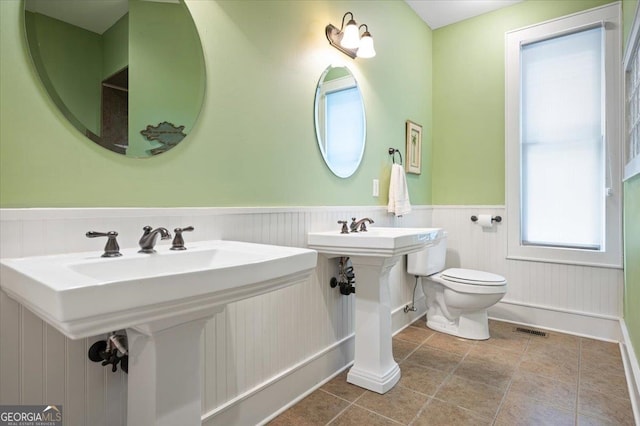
{"x": 399, "y": 203}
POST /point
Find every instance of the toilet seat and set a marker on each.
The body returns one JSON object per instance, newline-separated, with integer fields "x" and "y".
{"x": 472, "y": 276}
{"x": 471, "y": 281}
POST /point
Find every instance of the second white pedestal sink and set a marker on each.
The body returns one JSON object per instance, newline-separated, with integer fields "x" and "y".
{"x": 163, "y": 300}
{"x": 373, "y": 254}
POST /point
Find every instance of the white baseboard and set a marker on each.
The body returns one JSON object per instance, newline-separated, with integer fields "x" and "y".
{"x": 601, "y": 327}
{"x": 631, "y": 369}
{"x": 257, "y": 405}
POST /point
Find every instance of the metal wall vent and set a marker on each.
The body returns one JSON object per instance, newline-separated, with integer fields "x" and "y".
{"x": 531, "y": 331}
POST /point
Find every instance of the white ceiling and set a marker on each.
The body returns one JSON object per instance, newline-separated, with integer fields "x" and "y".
{"x": 438, "y": 13}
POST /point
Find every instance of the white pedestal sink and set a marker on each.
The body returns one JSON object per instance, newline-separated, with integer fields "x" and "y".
{"x": 373, "y": 254}
{"x": 163, "y": 300}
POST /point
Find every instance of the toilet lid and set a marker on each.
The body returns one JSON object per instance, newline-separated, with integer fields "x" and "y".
{"x": 471, "y": 276}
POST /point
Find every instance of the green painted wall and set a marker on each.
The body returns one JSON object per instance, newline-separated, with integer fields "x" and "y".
{"x": 115, "y": 47}
{"x": 254, "y": 144}
{"x": 164, "y": 44}
{"x": 632, "y": 260}
{"x": 468, "y": 100}
{"x": 72, "y": 60}
{"x": 628, "y": 13}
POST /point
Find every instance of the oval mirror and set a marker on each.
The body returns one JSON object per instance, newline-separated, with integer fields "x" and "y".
{"x": 340, "y": 121}
{"x": 128, "y": 74}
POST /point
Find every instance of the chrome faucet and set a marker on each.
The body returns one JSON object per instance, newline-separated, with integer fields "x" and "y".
{"x": 360, "y": 224}
{"x": 148, "y": 239}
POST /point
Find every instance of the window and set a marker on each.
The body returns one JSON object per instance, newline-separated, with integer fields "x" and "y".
{"x": 563, "y": 130}
{"x": 632, "y": 100}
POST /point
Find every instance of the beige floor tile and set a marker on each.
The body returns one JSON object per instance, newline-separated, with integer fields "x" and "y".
{"x": 611, "y": 384}
{"x": 495, "y": 354}
{"x": 421, "y": 379}
{"x": 547, "y": 390}
{"x": 479, "y": 398}
{"x": 449, "y": 381}
{"x": 554, "y": 338}
{"x": 559, "y": 346}
{"x": 339, "y": 386}
{"x": 555, "y": 367}
{"x": 316, "y": 409}
{"x": 448, "y": 343}
{"x": 594, "y": 421}
{"x": 500, "y": 325}
{"x": 434, "y": 358}
{"x": 283, "y": 420}
{"x": 421, "y": 323}
{"x": 603, "y": 348}
{"x": 400, "y": 404}
{"x": 520, "y": 410}
{"x": 357, "y": 416}
{"x": 506, "y": 338}
{"x": 414, "y": 334}
{"x": 402, "y": 348}
{"x": 605, "y": 364}
{"x": 438, "y": 413}
{"x": 489, "y": 372}
{"x": 602, "y": 405}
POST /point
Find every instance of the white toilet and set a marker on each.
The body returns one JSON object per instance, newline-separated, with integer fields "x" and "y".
{"x": 457, "y": 299}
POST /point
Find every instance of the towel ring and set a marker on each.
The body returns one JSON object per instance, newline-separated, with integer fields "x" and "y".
{"x": 392, "y": 152}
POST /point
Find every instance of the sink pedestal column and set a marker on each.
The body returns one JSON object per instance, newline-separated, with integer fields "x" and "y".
{"x": 165, "y": 373}
{"x": 374, "y": 367}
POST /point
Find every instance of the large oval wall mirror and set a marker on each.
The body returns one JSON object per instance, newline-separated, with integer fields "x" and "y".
{"x": 128, "y": 74}
{"x": 340, "y": 121}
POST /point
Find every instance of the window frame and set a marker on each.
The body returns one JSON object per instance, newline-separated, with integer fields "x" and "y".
{"x": 608, "y": 16}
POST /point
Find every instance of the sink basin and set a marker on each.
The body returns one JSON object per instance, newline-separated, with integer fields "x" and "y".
{"x": 83, "y": 294}
{"x": 163, "y": 300}
{"x": 377, "y": 241}
{"x": 373, "y": 253}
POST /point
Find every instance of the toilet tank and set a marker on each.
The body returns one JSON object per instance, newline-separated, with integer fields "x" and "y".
{"x": 430, "y": 260}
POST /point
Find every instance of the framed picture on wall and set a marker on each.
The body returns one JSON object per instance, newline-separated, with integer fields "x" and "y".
{"x": 414, "y": 148}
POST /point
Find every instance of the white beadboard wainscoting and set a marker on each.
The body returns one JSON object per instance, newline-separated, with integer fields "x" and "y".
{"x": 259, "y": 354}
{"x": 262, "y": 354}
{"x": 577, "y": 299}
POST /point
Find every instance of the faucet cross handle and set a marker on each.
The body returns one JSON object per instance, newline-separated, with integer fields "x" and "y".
{"x": 354, "y": 225}
{"x": 344, "y": 229}
{"x": 178, "y": 241}
{"x": 111, "y": 249}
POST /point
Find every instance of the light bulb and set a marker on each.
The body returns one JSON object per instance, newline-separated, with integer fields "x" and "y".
{"x": 351, "y": 36}
{"x": 366, "y": 49}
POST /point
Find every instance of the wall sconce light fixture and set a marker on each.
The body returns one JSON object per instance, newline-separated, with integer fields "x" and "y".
{"x": 348, "y": 40}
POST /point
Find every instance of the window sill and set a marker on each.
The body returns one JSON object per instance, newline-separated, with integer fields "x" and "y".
{"x": 567, "y": 262}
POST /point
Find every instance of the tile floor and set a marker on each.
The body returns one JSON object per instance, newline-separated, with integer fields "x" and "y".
{"x": 510, "y": 379}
